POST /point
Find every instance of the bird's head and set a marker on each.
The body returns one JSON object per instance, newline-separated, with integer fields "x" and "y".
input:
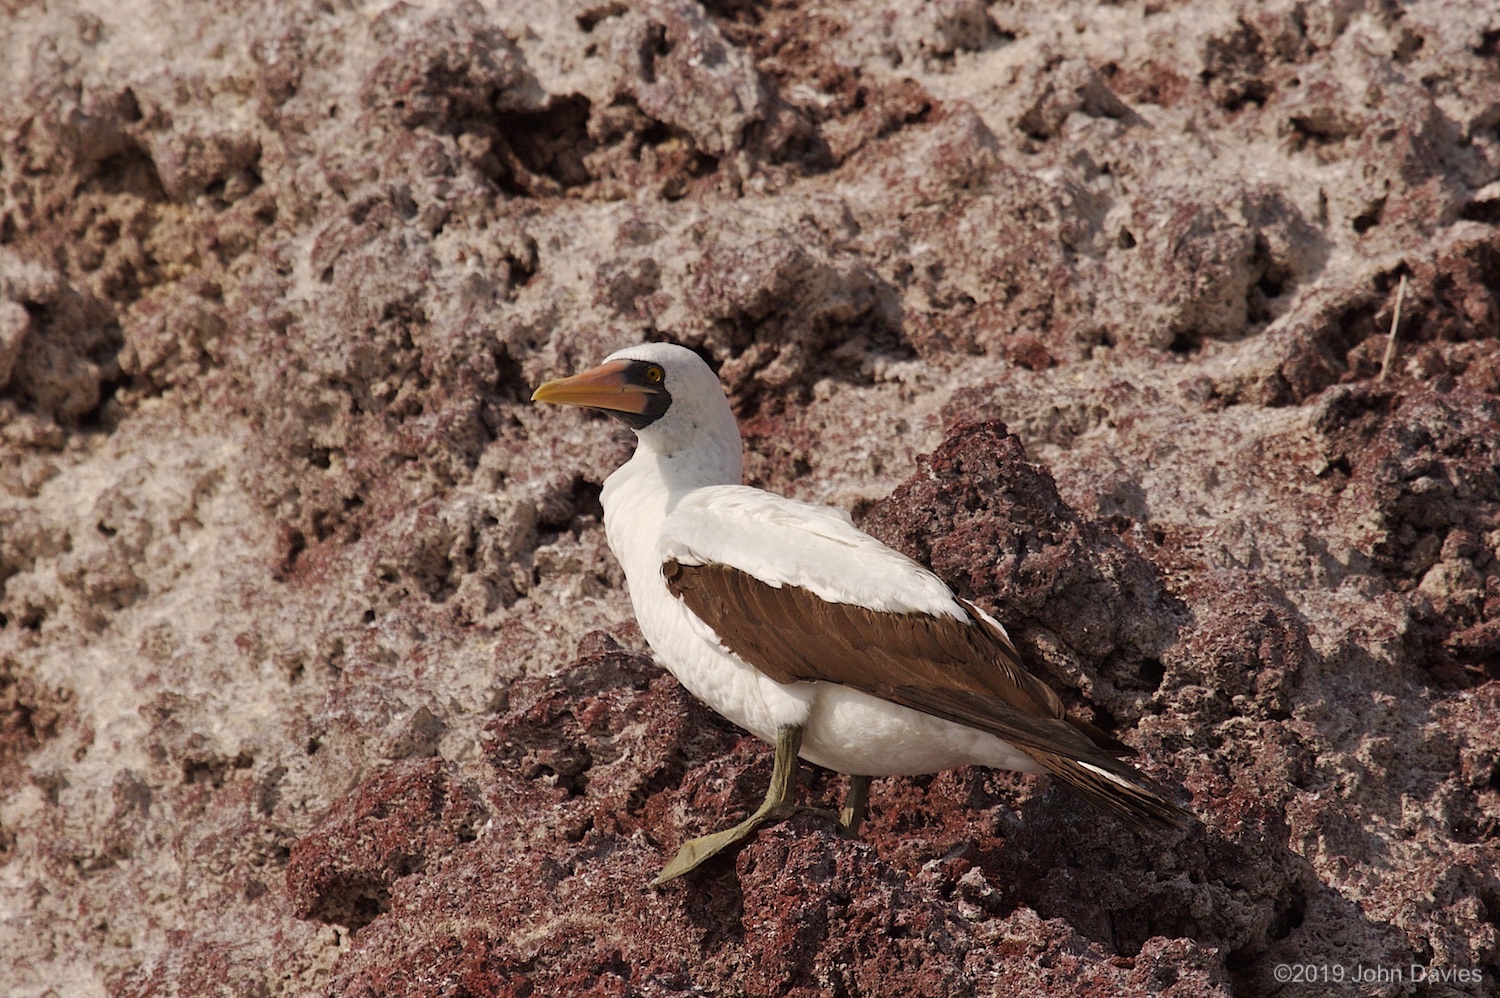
{"x": 666, "y": 393}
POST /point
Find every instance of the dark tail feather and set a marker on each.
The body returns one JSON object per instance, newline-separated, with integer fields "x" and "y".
{"x": 1102, "y": 738}
{"x": 1119, "y": 790}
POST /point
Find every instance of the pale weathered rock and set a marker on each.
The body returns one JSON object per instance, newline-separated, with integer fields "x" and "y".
{"x": 316, "y": 674}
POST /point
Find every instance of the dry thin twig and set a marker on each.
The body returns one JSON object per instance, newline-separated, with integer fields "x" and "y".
{"x": 1390, "y": 343}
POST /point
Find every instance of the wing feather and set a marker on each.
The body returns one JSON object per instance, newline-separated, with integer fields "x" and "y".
{"x": 942, "y": 666}
{"x": 938, "y": 665}
{"x": 784, "y": 542}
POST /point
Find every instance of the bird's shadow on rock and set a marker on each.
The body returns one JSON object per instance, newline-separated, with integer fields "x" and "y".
{"x": 1232, "y": 884}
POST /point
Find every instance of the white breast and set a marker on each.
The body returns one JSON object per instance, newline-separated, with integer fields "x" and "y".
{"x": 635, "y": 504}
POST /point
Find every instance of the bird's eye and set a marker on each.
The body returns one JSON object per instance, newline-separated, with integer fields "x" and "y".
{"x": 654, "y": 374}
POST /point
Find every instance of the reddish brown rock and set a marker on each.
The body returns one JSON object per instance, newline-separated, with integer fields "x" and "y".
{"x": 317, "y": 676}
{"x": 388, "y": 829}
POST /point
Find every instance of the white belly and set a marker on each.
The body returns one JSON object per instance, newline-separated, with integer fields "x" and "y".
{"x": 854, "y": 732}
{"x": 843, "y": 730}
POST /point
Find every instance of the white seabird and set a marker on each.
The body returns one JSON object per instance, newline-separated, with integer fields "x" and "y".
{"x": 807, "y": 632}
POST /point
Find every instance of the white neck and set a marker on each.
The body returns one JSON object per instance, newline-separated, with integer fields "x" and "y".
{"x": 712, "y": 459}
{"x": 642, "y": 491}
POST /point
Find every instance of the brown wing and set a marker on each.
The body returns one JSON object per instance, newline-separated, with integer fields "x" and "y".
{"x": 966, "y": 673}
{"x": 963, "y": 672}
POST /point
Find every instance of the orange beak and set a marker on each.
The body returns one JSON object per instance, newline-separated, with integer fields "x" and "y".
{"x": 605, "y": 387}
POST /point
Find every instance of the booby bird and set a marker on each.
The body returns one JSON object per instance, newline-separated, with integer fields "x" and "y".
{"x": 807, "y": 632}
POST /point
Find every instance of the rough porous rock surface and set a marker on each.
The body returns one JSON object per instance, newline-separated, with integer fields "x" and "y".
{"x": 316, "y": 675}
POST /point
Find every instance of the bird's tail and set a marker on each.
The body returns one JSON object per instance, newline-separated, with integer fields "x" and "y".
{"x": 1118, "y": 789}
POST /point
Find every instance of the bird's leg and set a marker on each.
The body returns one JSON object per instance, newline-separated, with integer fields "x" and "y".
{"x": 775, "y": 807}
{"x": 853, "y": 814}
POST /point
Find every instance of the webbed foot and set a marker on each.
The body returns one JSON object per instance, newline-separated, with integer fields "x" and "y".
{"x": 776, "y": 807}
